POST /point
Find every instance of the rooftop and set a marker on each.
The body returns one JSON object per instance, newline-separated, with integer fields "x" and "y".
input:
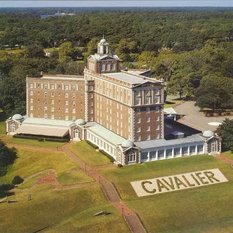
{"x": 47, "y": 122}
{"x": 196, "y": 138}
{"x": 129, "y": 78}
{"x": 107, "y": 134}
{"x": 60, "y": 77}
{"x": 103, "y": 56}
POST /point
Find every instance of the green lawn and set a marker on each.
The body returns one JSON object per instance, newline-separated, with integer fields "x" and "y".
{"x": 88, "y": 154}
{"x": 51, "y": 209}
{"x": 60, "y": 211}
{"x": 31, "y": 162}
{"x": 205, "y": 209}
{"x": 29, "y": 142}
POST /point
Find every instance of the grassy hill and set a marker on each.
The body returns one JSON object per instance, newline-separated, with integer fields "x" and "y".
{"x": 204, "y": 209}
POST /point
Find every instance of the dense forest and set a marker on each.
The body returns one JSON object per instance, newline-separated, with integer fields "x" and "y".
{"x": 192, "y": 51}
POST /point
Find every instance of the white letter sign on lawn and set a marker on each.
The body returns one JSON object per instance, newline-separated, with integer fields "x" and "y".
{"x": 178, "y": 182}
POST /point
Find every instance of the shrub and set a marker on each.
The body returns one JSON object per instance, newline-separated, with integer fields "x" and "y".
{"x": 17, "y": 180}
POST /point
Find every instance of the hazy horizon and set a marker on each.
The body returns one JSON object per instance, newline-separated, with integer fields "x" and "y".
{"x": 121, "y": 3}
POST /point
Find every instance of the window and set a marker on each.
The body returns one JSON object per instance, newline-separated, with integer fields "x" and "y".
{"x": 45, "y": 86}
{"x": 52, "y": 101}
{"x": 153, "y": 155}
{"x": 184, "y": 150}
{"x": 144, "y": 155}
{"x": 139, "y": 120}
{"x": 66, "y": 118}
{"x": 31, "y": 101}
{"x": 45, "y": 108}
{"x": 147, "y": 97}
{"x": 148, "y": 128}
{"x": 138, "y": 129}
{"x": 52, "y": 86}
{"x": 148, "y": 109}
{"x": 66, "y": 102}
{"x": 52, "y": 94}
{"x": 66, "y": 87}
{"x": 131, "y": 157}
{"x": 213, "y": 147}
{"x": 200, "y": 149}
{"x": 31, "y": 93}
{"x": 31, "y": 108}
{"x": 31, "y": 85}
{"x": 176, "y": 152}
{"x": 73, "y": 87}
{"x": 138, "y": 98}
{"x": 168, "y": 153}
{"x": 52, "y": 109}
{"x": 192, "y": 150}
{"x": 103, "y": 67}
{"x": 160, "y": 154}
{"x": 156, "y": 99}
{"x": 148, "y": 119}
{"x": 66, "y": 95}
{"x": 148, "y": 137}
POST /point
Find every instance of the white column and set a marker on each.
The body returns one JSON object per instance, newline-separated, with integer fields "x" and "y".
{"x": 188, "y": 150}
{"x": 148, "y": 156}
{"x": 181, "y": 151}
{"x": 196, "y": 150}
{"x": 164, "y": 153}
{"x": 156, "y": 155}
{"x": 173, "y": 153}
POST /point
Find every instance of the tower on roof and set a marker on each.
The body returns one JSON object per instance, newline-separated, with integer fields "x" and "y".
{"x": 103, "y": 47}
{"x": 103, "y": 61}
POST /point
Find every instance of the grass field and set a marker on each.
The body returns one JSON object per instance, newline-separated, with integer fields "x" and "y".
{"x": 55, "y": 210}
{"x": 59, "y": 211}
{"x": 31, "y": 162}
{"x": 88, "y": 154}
{"x": 205, "y": 209}
{"x": 198, "y": 210}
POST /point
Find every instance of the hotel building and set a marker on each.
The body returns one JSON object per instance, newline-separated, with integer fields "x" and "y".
{"x": 121, "y": 112}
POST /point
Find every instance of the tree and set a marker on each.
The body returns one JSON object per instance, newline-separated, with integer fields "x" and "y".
{"x": 7, "y": 157}
{"x": 35, "y": 51}
{"x": 213, "y": 93}
{"x": 225, "y": 130}
{"x": 65, "y": 51}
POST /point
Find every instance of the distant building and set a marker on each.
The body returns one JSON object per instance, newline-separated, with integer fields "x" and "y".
{"x": 121, "y": 112}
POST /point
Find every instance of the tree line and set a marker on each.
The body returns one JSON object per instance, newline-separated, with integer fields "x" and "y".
{"x": 190, "y": 50}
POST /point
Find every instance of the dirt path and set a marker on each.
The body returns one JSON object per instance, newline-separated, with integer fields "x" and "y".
{"x": 226, "y": 160}
{"x": 133, "y": 221}
{"x": 49, "y": 176}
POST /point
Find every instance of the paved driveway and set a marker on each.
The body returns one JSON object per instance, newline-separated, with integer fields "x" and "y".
{"x": 197, "y": 119}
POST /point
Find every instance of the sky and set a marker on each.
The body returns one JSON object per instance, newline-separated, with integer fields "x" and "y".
{"x": 121, "y": 3}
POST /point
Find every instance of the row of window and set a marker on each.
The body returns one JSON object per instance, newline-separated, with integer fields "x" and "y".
{"x": 113, "y": 91}
{"x": 148, "y": 119}
{"x": 169, "y": 153}
{"x": 67, "y": 87}
{"x": 101, "y": 144}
